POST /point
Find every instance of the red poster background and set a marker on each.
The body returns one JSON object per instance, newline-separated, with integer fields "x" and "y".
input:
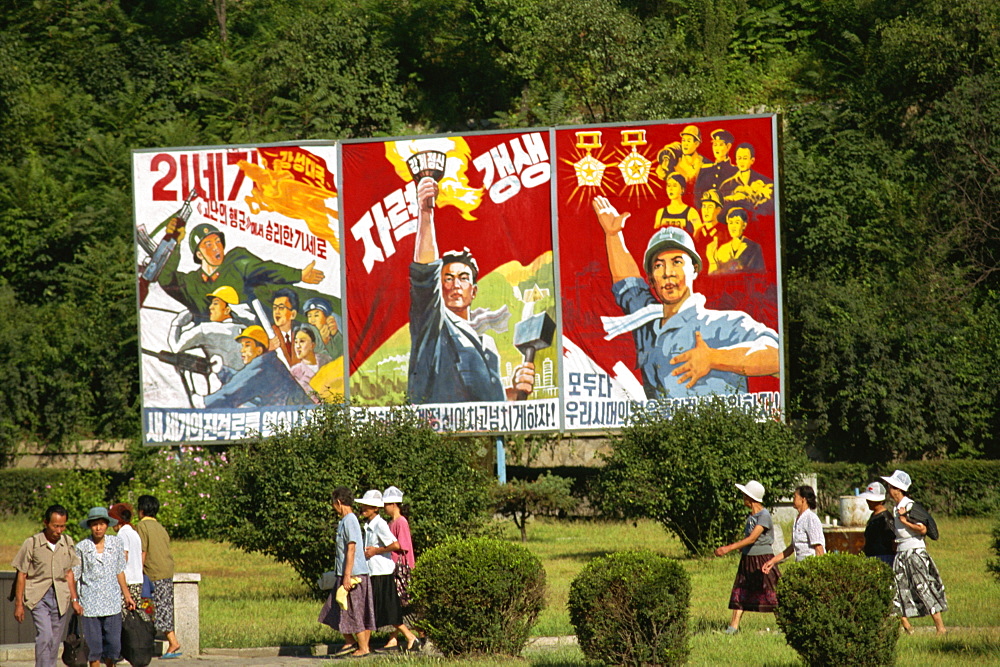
{"x": 378, "y": 302}
{"x": 586, "y": 279}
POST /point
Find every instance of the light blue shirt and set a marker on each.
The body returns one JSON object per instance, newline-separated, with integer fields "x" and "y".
{"x": 97, "y": 576}
{"x": 349, "y": 531}
{"x": 656, "y": 343}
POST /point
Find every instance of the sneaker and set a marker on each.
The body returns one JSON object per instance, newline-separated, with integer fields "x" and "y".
{"x": 730, "y": 630}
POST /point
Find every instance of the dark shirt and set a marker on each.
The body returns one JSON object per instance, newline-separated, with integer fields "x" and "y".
{"x": 449, "y": 362}
{"x": 264, "y": 381}
{"x": 880, "y": 538}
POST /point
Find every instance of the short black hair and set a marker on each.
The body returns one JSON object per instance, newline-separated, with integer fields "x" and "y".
{"x": 738, "y": 212}
{"x": 148, "y": 505}
{"x": 290, "y": 294}
{"x": 55, "y": 509}
{"x": 125, "y": 515}
{"x": 806, "y": 493}
{"x": 748, "y": 146}
{"x": 344, "y": 495}
{"x": 463, "y": 257}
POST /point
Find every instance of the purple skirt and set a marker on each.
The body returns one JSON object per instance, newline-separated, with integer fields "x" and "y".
{"x": 753, "y": 590}
{"x": 359, "y": 615}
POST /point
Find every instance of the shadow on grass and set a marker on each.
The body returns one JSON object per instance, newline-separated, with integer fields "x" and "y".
{"x": 972, "y": 647}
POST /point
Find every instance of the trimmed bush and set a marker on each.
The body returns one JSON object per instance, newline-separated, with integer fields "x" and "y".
{"x": 837, "y": 610}
{"x": 20, "y": 487}
{"x": 994, "y": 564}
{"x": 478, "y": 595}
{"x": 679, "y": 469}
{"x": 631, "y": 608}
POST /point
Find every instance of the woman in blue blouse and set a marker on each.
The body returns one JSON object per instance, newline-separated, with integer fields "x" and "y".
{"x": 101, "y": 585}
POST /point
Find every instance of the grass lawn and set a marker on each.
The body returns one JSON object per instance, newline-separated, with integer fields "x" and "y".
{"x": 249, "y": 600}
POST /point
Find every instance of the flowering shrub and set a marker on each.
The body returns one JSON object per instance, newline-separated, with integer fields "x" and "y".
{"x": 77, "y": 491}
{"x": 184, "y": 480}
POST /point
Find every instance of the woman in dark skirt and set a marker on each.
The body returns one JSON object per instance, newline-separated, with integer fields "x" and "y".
{"x": 753, "y": 590}
{"x": 380, "y": 543}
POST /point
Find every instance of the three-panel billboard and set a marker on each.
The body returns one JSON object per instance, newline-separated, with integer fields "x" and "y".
{"x": 548, "y": 279}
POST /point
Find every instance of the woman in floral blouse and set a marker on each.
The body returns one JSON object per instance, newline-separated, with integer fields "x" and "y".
{"x": 101, "y": 585}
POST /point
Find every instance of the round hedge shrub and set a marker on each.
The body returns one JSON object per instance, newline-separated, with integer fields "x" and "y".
{"x": 478, "y": 595}
{"x": 631, "y": 608}
{"x": 837, "y": 610}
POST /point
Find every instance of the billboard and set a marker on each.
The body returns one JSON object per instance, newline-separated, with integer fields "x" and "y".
{"x": 669, "y": 256}
{"x": 551, "y": 279}
{"x": 450, "y": 279}
{"x": 238, "y": 270}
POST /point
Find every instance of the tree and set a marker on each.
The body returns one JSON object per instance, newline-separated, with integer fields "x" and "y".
{"x": 680, "y": 469}
{"x": 520, "y": 499}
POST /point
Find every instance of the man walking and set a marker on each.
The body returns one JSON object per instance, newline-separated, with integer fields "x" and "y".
{"x": 45, "y": 584}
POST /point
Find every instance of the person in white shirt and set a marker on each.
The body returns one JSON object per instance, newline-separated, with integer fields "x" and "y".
{"x": 133, "y": 549}
{"x": 379, "y": 544}
{"x": 807, "y": 533}
{"x": 919, "y": 589}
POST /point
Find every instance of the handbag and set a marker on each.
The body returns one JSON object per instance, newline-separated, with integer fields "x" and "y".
{"x": 75, "y": 650}
{"x": 138, "y": 637}
{"x": 402, "y": 576}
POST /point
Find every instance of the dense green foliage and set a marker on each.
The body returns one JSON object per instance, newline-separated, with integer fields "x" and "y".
{"x": 274, "y": 496}
{"x": 631, "y": 608}
{"x": 520, "y": 499}
{"x": 837, "y": 610}
{"x": 994, "y": 563}
{"x": 478, "y": 595}
{"x": 890, "y": 127}
{"x": 950, "y": 487}
{"x": 680, "y": 470}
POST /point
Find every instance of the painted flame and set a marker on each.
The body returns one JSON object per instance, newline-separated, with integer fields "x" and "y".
{"x": 280, "y": 192}
{"x": 454, "y": 189}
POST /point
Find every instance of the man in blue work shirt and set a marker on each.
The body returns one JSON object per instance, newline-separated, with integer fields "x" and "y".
{"x": 450, "y": 362}
{"x": 683, "y": 348}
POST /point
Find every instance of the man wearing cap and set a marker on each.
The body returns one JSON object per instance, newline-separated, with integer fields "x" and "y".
{"x": 683, "y": 348}
{"x": 747, "y": 188}
{"x": 319, "y": 313}
{"x": 712, "y": 176}
{"x": 740, "y": 254}
{"x": 263, "y": 380}
{"x": 237, "y": 268}
{"x": 707, "y": 236}
{"x": 45, "y": 585}
{"x": 691, "y": 162}
{"x": 450, "y": 361}
{"x": 216, "y": 337}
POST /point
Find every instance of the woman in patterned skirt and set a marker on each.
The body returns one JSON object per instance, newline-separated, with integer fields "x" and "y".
{"x": 919, "y": 590}
{"x": 753, "y": 590}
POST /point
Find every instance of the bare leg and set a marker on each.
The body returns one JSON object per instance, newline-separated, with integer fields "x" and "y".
{"x": 737, "y": 615}
{"x": 906, "y": 625}
{"x": 410, "y": 637}
{"x": 172, "y": 643}
{"x": 939, "y": 623}
{"x": 393, "y": 640}
{"x": 362, "y": 639}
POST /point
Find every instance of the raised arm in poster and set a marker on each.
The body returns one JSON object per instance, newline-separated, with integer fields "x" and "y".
{"x": 450, "y": 281}
{"x": 669, "y": 260}
{"x": 239, "y": 288}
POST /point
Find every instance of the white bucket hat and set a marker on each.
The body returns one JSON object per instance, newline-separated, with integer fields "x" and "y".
{"x": 392, "y": 495}
{"x": 371, "y": 498}
{"x": 874, "y": 492}
{"x": 899, "y": 479}
{"x": 754, "y": 489}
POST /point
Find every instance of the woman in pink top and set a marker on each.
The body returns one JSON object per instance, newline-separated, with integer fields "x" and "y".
{"x": 400, "y": 528}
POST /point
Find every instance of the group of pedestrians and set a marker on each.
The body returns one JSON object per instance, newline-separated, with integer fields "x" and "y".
{"x": 99, "y": 579}
{"x": 896, "y": 536}
{"x": 370, "y": 572}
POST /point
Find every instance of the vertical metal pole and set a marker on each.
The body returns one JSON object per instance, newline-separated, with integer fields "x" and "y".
{"x": 501, "y": 461}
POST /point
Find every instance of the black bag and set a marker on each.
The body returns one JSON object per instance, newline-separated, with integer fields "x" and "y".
{"x": 919, "y": 514}
{"x": 138, "y": 637}
{"x": 75, "y": 651}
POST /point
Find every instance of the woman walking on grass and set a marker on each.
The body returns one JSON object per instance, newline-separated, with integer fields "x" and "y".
{"x": 919, "y": 590}
{"x": 754, "y": 589}
{"x": 807, "y": 533}
{"x": 403, "y": 556}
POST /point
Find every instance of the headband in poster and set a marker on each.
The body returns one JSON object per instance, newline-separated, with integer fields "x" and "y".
{"x": 668, "y": 256}
{"x": 450, "y": 279}
{"x": 239, "y": 295}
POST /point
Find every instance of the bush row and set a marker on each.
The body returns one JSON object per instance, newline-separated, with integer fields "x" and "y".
{"x": 948, "y": 487}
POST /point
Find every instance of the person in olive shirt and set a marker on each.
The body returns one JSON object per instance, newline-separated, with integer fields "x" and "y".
{"x": 45, "y": 584}
{"x": 158, "y": 565}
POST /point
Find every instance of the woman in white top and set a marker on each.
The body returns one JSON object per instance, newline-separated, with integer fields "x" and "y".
{"x": 379, "y": 545}
{"x": 122, "y": 512}
{"x": 919, "y": 590}
{"x": 807, "y": 534}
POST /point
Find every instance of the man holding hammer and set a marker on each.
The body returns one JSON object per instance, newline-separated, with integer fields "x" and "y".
{"x": 450, "y": 362}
